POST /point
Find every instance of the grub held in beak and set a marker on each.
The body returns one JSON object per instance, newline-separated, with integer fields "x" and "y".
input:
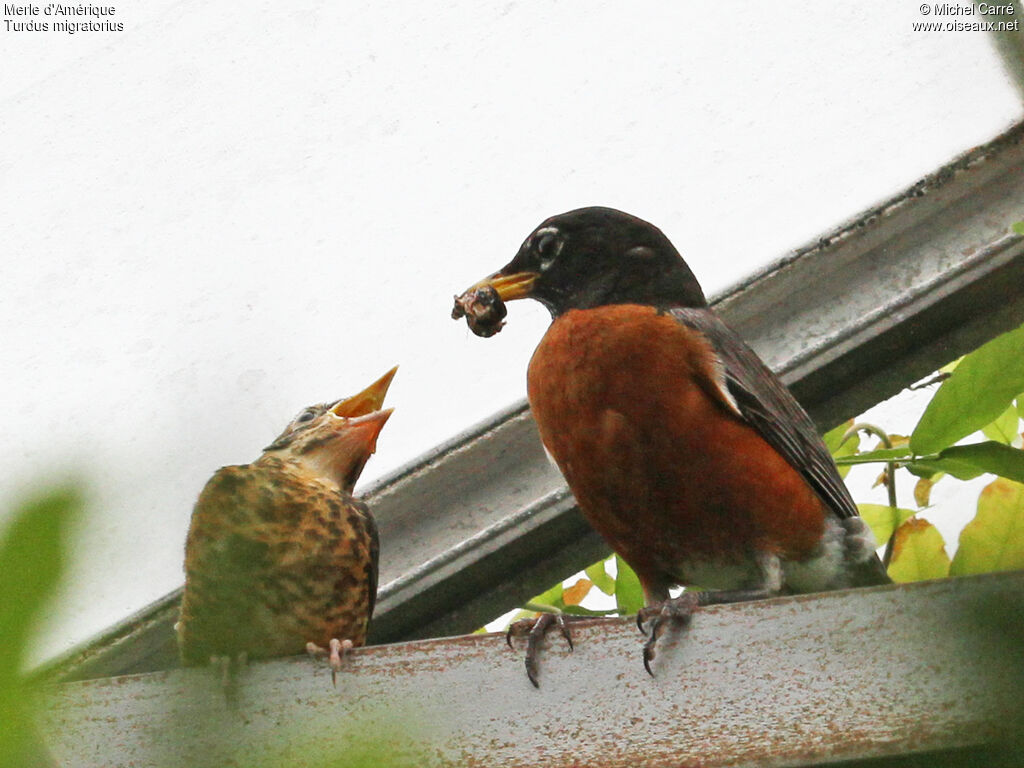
{"x": 483, "y": 304}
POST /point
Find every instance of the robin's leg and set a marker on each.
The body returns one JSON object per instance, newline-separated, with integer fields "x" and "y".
{"x": 336, "y": 651}
{"x": 678, "y": 610}
{"x": 534, "y": 630}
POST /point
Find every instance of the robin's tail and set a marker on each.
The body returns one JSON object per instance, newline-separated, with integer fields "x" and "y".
{"x": 862, "y": 563}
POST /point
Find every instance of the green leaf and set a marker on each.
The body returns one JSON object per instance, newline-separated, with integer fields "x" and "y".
{"x": 918, "y": 552}
{"x": 33, "y": 552}
{"x": 994, "y": 539}
{"x": 871, "y": 457}
{"x": 579, "y": 610}
{"x": 628, "y": 594}
{"x": 961, "y": 470}
{"x": 922, "y": 469}
{"x": 1004, "y": 429}
{"x": 883, "y": 519}
{"x": 834, "y": 437}
{"x": 1018, "y": 227}
{"x": 979, "y": 390}
{"x": 599, "y": 575}
{"x": 967, "y": 461}
{"x": 550, "y": 597}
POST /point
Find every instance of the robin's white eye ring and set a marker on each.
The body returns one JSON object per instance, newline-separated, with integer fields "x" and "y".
{"x": 548, "y": 246}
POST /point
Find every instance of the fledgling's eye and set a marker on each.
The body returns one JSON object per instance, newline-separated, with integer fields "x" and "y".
{"x": 307, "y": 415}
{"x": 548, "y": 246}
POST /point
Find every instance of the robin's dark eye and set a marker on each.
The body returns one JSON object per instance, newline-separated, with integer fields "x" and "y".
{"x": 305, "y": 416}
{"x": 548, "y": 246}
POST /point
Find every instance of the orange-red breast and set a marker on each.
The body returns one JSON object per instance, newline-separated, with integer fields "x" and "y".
{"x": 280, "y": 557}
{"x": 684, "y": 451}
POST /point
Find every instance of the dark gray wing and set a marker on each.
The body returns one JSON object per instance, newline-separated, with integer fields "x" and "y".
{"x": 769, "y": 408}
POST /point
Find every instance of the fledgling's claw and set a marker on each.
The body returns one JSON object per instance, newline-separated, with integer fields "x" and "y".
{"x": 336, "y": 651}
{"x": 226, "y": 667}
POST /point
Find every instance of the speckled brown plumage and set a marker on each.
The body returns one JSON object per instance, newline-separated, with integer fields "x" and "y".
{"x": 279, "y": 553}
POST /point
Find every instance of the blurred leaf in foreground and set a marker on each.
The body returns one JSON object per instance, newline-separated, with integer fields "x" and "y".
{"x": 994, "y": 539}
{"x": 918, "y": 553}
{"x": 33, "y": 554}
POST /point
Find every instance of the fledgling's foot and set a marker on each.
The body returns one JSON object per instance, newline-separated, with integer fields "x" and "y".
{"x": 338, "y": 649}
{"x": 534, "y": 631}
{"x": 677, "y": 610}
{"x": 226, "y": 667}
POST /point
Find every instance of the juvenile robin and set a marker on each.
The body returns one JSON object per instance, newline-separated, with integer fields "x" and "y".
{"x": 280, "y": 557}
{"x": 683, "y": 450}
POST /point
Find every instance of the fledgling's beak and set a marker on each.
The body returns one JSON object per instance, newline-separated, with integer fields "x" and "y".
{"x": 354, "y": 441}
{"x": 370, "y": 399}
{"x": 361, "y": 432}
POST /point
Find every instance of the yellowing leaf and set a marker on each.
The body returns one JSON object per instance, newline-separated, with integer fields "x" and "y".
{"x": 994, "y": 539}
{"x": 883, "y": 519}
{"x": 918, "y": 552}
{"x": 899, "y": 441}
{"x": 574, "y": 595}
{"x": 923, "y": 489}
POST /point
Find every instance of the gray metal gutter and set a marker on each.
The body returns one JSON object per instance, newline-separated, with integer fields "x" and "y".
{"x": 930, "y": 671}
{"x": 483, "y": 522}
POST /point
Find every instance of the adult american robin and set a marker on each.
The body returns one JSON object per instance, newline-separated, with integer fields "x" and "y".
{"x": 683, "y": 450}
{"x": 280, "y": 557}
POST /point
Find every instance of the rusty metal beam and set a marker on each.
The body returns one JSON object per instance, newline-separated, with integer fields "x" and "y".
{"x": 931, "y": 669}
{"x": 484, "y": 522}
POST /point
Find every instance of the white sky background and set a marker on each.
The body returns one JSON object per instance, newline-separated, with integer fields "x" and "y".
{"x": 223, "y": 214}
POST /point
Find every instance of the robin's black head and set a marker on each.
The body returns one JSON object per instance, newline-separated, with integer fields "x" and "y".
{"x": 592, "y": 257}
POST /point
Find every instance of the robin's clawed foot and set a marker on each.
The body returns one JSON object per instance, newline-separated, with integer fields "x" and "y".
{"x": 338, "y": 649}
{"x": 534, "y": 630}
{"x": 674, "y": 610}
